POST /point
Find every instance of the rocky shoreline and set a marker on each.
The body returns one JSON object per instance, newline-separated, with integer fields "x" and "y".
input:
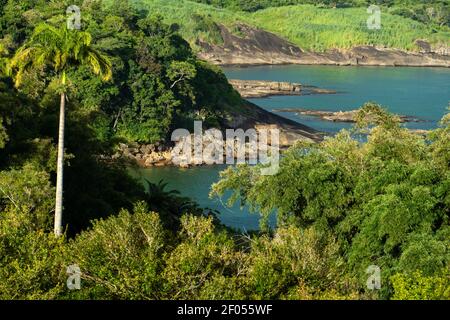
{"x": 339, "y": 116}
{"x": 259, "y": 47}
{"x": 250, "y": 117}
{"x": 155, "y": 155}
{"x": 262, "y": 89}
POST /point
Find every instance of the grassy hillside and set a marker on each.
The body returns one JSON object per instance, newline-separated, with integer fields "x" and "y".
{"x": 319, "y": 29}
{"x": 308, "y": 26}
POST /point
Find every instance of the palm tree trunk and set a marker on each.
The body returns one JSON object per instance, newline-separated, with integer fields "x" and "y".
{"x": 60, "y": 168}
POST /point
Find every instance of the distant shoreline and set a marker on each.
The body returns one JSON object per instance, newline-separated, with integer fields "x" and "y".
{"x": 258, "y": 47}
{"x": 251, "y": 65}
{"x": 412, "y": 60}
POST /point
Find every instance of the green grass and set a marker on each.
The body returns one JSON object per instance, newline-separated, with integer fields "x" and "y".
{"x": 307, "y": 26}
{"x": 184, "y": 13}
{"x": 319, "y": 29}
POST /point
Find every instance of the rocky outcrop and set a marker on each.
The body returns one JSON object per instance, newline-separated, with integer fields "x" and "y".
{"x": 145, "y": 155}
{"x": 253, "y": 116}
{"x": 261, "y": 88}
{"x": 183, "y": 153}
{"x": 259, "y": 47}
{"x": 249, "y": 116}
{"x": 339, "y": 116}
{"x": 420, "y": 132}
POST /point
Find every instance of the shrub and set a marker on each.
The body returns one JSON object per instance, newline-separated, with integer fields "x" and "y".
{"x": 417, "y": 286}
{"x": 119, "y": 258}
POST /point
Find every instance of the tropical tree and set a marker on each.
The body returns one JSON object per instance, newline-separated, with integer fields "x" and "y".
{"x": 59, "y": 50}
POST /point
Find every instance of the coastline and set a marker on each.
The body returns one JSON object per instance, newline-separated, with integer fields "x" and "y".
{"x": 251, "y": 116}
{"x": 258, "y": 47}
{"x": 262, "y": 88}
{"x": 338, "y": 57}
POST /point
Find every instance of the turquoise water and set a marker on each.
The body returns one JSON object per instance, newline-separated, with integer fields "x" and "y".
{"x": 419, "y": 92}
{"x": 195, "y": 183}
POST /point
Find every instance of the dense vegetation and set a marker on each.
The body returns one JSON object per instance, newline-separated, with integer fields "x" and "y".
{"x": 385, "y": 202}
{"x": 313, "y": 27}
{"x": 342, "y": 205}
{"x": 157, "y": 85}
{"x": 427, "y": 11}
{"x": 158, "y": 82}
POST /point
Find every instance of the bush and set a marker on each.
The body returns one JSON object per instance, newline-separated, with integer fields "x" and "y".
{"x": 205, "y": 264}
{"x": 119, "y": 258}
{"x": 295, "y": 264}
{"x": 416, "y": 286}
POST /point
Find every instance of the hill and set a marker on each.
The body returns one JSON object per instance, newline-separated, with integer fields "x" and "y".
{"x": 307, "y": 27}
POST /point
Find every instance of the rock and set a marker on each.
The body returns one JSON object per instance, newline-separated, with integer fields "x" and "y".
{"x": 149, "y": 162}
{"x": 259, "y": 47}
{"x": 133, "y": 151}
{"x": 420, "y": 132}
{"x": 122, "y": 146}
{"x": 339, "y": 116}
{"x": 258, "y": 88}
{"x": 424, "y": 46}
{"x": 146, "y": 148}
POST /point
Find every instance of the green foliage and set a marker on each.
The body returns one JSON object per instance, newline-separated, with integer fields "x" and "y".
{"x": 26, "y": 198}
{"x": 384, "y": 201}
{"x": 31, "y": 267}
{"x": 158, "y": 81}
{"x": 3, "y": 134}
{"x": 62, "y": 49}
{"x": 29, "y": 254}
{"x": 297, "y": 263}
{"x": 317, "y": 29}
{"x": 158, "y": 85}
{"x": 342, "y": 205}
{"x": 419, "y": 287}
{"x": 434, "y": 12}
{"x": 309, "y": 26}
{"x": 205, "y": 264}
{"x": 120, "y": 257}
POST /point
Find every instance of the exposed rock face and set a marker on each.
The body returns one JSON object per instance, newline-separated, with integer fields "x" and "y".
{"x": 147, "y": 155}
{"x": 339, "y": 116}
{"x": 290, "y": 131}
{"x": 249, "y": 117}
{"x": 258, "y": 47}
{"x": 255, "y": 88}
{"x": 260, "y": 88}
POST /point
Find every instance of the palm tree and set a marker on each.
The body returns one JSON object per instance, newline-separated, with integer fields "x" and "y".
{"x": 58, "y": 50}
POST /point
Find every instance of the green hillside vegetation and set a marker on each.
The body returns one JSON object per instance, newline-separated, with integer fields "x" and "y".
{"x": 310, "y": 27}
{"x": 434, "y": 12}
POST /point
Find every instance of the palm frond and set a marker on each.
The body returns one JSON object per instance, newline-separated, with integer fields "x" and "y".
{"x": 59, "y": 49}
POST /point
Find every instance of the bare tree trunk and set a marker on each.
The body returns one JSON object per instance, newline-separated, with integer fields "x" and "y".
{"x": 60, "y": 168}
